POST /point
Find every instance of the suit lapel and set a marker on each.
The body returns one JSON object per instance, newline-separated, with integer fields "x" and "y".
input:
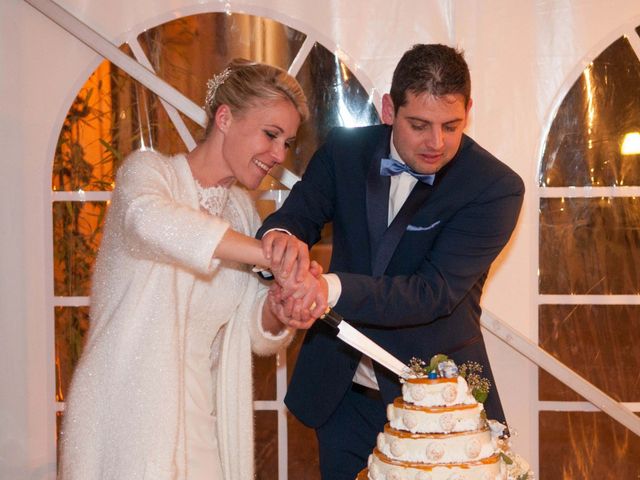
{"x": 377, "y": 196}
{"x": 384, "y": 241}
{"x": 387, "y": 243}
{"x": 393, "y": 234}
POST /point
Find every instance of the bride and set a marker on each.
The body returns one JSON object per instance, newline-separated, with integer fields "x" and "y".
{"x": 163, "y": 389}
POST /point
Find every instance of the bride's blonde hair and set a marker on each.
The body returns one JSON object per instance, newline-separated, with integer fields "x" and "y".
{"x": 244, "y": 83}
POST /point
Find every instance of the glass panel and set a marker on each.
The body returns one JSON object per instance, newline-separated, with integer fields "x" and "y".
{"x": 336, "y": 98}
{"x": 77, "y": 231}
{"x": 188, "y": 51}
{"x": 599, "y": 342}
{"x": 59, "y": 419}
{"x": 83, "y": 160}
{"x": 72, "y": 324}
{"x": 580, "y": 445}
{"x": 264, "y": 377}
{"x": 266, "y": 445}
{"x": 303, "y": 462}
{"x": 589, "y": 246}
{"x": 155, "y": 130}
{"x": 109, "y": 118}
{"x": 265, "y": 207}
{"x": 584, "y": 142}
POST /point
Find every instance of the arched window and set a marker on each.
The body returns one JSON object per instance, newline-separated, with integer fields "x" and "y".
{"x": 589, "y": 267}
{"x": 113, "y": 115}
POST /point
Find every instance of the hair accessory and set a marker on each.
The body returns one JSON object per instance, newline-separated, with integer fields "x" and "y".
{"x": 213, "y": 84}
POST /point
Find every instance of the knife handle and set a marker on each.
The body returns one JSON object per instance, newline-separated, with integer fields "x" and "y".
{"x": 332, "y": 317}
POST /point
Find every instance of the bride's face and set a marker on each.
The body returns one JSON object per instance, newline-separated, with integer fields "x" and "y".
{"x": 258, "y": 138}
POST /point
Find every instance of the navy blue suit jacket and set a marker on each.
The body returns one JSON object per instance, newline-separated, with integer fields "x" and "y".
{"x": 414, "y": 287}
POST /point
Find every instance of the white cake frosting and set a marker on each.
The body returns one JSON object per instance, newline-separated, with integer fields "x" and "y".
{"x": 408, "y": 417}
{"x": 427, "y": 392}
{"x": 381, "y": 467}
{"x": 436, "y": 431}
{"x": 436, "y": 447}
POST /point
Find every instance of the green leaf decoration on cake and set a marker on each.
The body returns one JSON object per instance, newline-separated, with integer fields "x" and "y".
{"x": 480, "y": 386}
{"x": 435, "y": 361}
{"x": 480, "y": 395}
{"x": 506, "y": 459}
{"x": 470, "y": 371}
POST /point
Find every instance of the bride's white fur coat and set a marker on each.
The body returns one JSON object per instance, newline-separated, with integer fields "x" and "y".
{"x": 124, "y": 417}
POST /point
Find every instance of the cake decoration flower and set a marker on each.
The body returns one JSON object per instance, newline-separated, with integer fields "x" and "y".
{"x": 479, "y": 386}
{"x": 441, "y": 366}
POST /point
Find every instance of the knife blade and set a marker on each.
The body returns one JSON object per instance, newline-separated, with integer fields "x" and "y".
{"x": 364, "y": 344}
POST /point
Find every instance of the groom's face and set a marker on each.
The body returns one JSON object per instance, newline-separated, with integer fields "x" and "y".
{"x": 427, "y": 130}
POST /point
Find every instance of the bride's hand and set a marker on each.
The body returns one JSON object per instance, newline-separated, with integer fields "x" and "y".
{"x": 301, "y": 309}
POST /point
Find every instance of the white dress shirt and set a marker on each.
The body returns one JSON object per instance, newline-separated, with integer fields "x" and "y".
{"x": 401, "y": 186}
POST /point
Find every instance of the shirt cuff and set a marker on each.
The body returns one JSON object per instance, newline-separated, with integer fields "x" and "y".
{"x": 334, "y": 288}
{"x": 263, "y": 273}
{"x": 276, "y": 230}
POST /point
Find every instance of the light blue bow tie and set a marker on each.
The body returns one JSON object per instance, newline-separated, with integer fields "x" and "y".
{"x": 390, "y": 167}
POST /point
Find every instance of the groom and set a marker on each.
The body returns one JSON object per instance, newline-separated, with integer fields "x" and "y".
{"x": 419, "y": 212}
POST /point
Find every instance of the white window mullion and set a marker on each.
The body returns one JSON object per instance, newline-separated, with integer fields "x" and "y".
{"x": 302, "y": 55}
{"x": 559, "y": 370}
{"x": 172, "y": 113}
{"x": 589, "y": 299}
{"x": 80, "y": 196}
{"x": 71, "y": 301}
{"x": 588, "y": 192}
{"x": 565, "y": 406}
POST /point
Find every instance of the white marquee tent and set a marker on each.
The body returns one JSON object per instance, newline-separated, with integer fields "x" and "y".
{"x": 524, "y": 57}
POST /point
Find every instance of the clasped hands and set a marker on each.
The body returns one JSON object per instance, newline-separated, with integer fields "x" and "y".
{"x": 299, "y": 294}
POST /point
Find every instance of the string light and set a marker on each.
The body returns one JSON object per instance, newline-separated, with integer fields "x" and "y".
{"x": 631, "y": 144}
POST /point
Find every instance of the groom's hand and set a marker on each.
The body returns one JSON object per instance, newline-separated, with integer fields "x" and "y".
{"x": 301, "y": 309}
{"x": 287, "y": 255}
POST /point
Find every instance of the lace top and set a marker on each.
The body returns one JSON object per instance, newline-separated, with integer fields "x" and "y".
{"x": 212, "y": 199}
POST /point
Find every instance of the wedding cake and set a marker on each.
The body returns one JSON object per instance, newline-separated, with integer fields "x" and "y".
{"x": 438, "y": 430}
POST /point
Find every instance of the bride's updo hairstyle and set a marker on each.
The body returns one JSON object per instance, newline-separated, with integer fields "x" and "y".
{"x": 244, "y": 84}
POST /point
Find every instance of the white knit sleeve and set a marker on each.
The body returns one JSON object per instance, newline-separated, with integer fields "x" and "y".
{"x": 157, "y": 224}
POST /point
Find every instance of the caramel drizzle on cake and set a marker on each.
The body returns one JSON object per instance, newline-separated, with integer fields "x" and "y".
{"x": 405, "y": 434}
{"x": 430, "y": 466}
{"x": 433, "y": 381}
{"x": 400, "y": 403}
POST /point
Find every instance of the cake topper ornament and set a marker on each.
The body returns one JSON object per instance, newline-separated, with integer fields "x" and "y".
{"x": 448, "y": 369}
{"x": 441, "y": 366}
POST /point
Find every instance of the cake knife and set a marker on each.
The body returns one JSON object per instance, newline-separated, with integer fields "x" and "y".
{"x": 364, "y": 344}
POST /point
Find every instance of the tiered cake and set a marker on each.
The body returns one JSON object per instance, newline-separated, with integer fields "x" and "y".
{"x": 437, "y": 430}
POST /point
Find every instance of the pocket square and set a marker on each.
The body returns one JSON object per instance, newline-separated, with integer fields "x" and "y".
{"x": 417, "y": 228}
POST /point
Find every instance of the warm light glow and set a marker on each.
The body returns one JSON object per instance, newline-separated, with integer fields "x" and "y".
{"x": 631, "y": 144}
{"x": 591, "y": 109}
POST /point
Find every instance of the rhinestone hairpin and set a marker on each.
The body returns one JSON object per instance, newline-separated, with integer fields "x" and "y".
{"x": 213, "y": 84}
